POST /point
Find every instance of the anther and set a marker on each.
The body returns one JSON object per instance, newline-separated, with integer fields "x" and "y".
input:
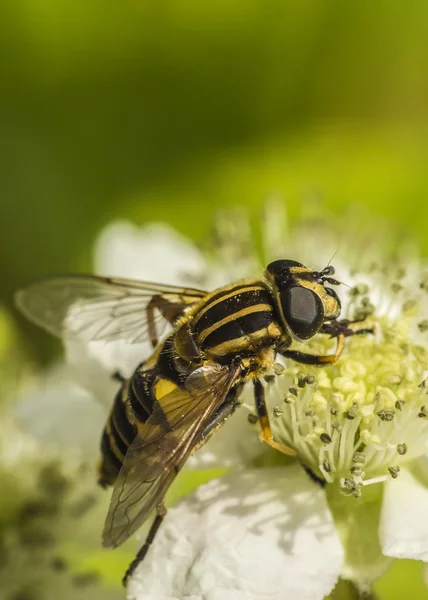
{"x": 423, "y": 413}
{"x": 365, "y": 310}
{"x": 349, "y": 487}
{"x": 252, "y": 419}
{"x": 399, "y": 404}
{"x": 325, "y": 438}
{"x": 424, "y": 283}
{"x": 326, "y": 465}
{"x": 293, "y": 391}
{"x": 348, "y": 483}
{"x": 386, "y": 414}
{"x": 337, "y": 426}
{"x": 277, "y": 411}
{"x": 269, "y": 378}
{"x": 359, "y": 458}
{"x": 278, "y": 368}
{"x": 310, "y": 379}
{"x": 360, "y": 289}
{"x": 289, "y": 399}
{"x": 357, "y": 471}
{"x": 409, "y": 305}
{"x": 402, "y": 449}
{"x": 394, "y": 471}
{"x": 352, "y": 412}
{"x": 396, "y": 287}
{"x": 301, "y": 381}
{"x": 423, "y": 326}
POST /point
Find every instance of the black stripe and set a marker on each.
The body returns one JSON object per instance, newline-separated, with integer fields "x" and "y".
{"x": 238, "y": 328}
{"x": 123, "y": 448}
{"x": 225, "y": 292}
{"x": 108, "y": 455}
{"x": 166, "y": 366}
{"x": 120, "y": 419}
{"x": 229, "y": 306}
{"x": 139, "y": 394}
{"x": 140, "y": 391}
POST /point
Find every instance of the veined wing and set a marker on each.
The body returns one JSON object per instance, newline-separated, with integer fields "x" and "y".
{"x": 103, "y": 308}
{"x": 161, "y": 447}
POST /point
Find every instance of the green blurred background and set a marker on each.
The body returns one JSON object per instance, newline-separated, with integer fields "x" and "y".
{"x": 170, "y": 109}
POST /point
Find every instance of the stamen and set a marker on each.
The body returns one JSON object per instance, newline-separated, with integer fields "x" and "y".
{"x": 373, "y": 480}
{"x": 359, "y": 458}
{"x": 360, "y": 419}
{"x": 385, "y": 414}
{"x": 402, "y": 449}
{"x": 277, "y": 411}
{"x": 423, "y": 414}
{"x": 394, "y": 471}
{"x": 278, "y": 368}
{"x": 423, "y": 326}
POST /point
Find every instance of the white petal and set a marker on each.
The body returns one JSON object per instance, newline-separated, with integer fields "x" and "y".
{"x": 264, "y": 534}
{"x": 403, "y": 528}
{"x": 94, "y": 364}
{"x": 236, "y": 443}
{"x": 155, "y": 252}
{"x": 56, "y": 411}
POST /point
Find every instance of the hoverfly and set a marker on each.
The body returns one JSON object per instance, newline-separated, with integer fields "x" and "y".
{"x": 190, "y": 386}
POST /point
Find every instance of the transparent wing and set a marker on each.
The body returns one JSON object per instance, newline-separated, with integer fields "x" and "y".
{"x": 103, "y": 308}
{"x": 161, "y": 447}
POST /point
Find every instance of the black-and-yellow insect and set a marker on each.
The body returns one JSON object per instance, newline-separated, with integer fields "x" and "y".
{"x": 191, "y": 384}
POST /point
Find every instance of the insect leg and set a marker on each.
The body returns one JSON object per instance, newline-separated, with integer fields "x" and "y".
{"x": 169, "y": 310}
{"x": 266, "y": 433}
{"x": 117, "y": 376}
{"x": 218, "y": 419}
{"x": 346, "y": 327}
{"x": 161, "y": 512}
{"x": 316, "y": 359}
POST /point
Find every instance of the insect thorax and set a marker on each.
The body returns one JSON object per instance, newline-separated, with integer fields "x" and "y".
{"x": 238, "y": 319}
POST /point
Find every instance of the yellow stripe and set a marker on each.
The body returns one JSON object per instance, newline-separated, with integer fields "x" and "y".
{"x": 113, "y": 444}
{"x": 238, "y": 344}
{"x": 118, "y": 429}
{"x": 250, "y": 288}
{"x": 113, "y": 418}
{"x": 241, "y": 313}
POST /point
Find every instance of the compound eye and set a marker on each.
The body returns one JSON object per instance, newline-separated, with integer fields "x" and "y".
{"x": 303, "y": 311}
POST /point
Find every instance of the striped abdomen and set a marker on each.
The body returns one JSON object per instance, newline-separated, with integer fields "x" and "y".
{"x": 235, "y": 319}
{"x": 132, "y": 407}
{"x": 117, "y": 435}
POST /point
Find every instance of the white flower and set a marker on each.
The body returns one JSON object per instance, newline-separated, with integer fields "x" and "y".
{"x": 236, "y": 538}
{"x": 360, "y": 425}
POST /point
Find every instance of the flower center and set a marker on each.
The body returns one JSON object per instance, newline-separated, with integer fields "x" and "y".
{"x": 356, "y": 422}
